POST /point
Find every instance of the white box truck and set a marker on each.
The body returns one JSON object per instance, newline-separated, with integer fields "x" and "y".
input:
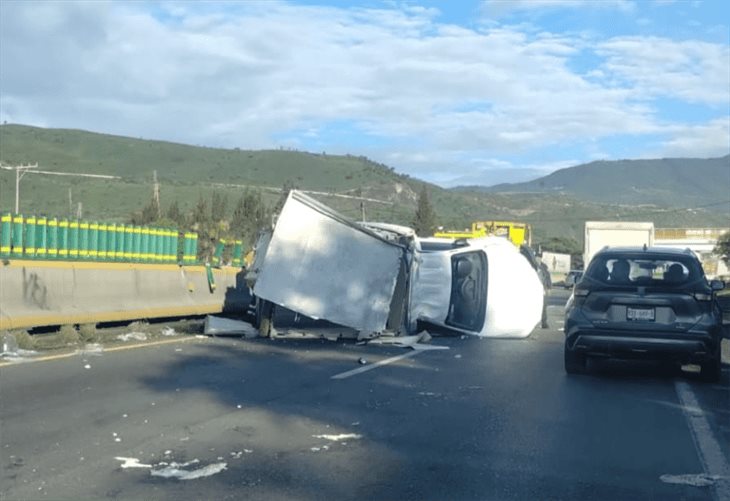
{"x": 373, "y": 277}
{"x": 599, "y": 234}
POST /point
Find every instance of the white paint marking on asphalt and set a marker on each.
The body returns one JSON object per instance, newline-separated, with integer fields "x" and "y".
{"x": 387, "y": 361}
{"x": 708, "y": 449}
{"x": 695, "y": 480}
{"x": 132, "y": 463}
{"x": 340, "y": 437}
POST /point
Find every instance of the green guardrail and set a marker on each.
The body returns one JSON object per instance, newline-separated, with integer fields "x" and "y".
{"x": 41, "y": 237}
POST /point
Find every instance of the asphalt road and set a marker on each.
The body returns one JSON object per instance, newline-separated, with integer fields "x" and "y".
{"x": 260, "y": 419}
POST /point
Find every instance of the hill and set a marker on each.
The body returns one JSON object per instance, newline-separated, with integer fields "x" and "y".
{"x": 667, "y": 182}
{"x": 187, "y": 173}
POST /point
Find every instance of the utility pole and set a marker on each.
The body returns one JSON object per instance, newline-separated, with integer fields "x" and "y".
{"x": 156, "y": 194}
{"x": 70, "y": 203}
{"x": 362, "y": 210}
{"x": 20, "y": 171}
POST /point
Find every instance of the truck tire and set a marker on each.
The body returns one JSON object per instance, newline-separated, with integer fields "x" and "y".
{"x": 264, "y": 320}
{"x": 575, "y": 363}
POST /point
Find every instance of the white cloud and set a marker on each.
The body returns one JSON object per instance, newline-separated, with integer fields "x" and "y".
{"x": 501, "y": 8}
{"x": 690, "y": 70}
{"x": 244, "y": 74}
{"x": 707, "y": 140}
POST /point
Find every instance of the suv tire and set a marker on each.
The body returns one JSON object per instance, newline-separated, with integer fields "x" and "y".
{"x": 575, "y": 363}
{"x": 711, "y": 370}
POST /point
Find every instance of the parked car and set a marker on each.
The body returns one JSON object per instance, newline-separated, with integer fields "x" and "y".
{"x": 653, "y": 303}
{"x": 572, "y": 278}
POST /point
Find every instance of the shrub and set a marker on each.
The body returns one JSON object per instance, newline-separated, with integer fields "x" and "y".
{"x": 68, "y": 335}
{"x": 87, "y": 332}
{"x": 25, "y": 341}
{"x": 139, "y": 326}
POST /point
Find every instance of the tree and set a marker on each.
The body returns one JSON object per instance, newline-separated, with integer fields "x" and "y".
{"x": 175, "y": 214}
{"x": 249, "y": 216}
{"x": 218, "y": 207}
{"x": 722, "y": 248}
{"x": 425, "y": 219}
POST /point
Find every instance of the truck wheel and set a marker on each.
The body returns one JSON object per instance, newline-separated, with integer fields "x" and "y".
{"x": 711, "y": 370}
{"x": 575, "y": 363}
{"x": 264, "y": 317}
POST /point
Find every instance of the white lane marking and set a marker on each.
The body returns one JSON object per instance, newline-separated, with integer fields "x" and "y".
{"x": 131, "y": 463}
{"x": 338, "y": 438}
{"x": 695, "y": 480}
{"x": 387, "y": 361}
{"x": 708, "y": 449}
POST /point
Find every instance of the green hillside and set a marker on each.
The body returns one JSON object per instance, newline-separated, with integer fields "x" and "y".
{"x": 187, "y": 173}
{"x": 667, "y": 182}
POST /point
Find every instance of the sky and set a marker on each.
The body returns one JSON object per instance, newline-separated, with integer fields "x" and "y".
{"x": 451, "y": 92}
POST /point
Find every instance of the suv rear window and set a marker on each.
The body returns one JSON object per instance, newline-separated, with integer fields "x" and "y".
{"x": 644, "y": 270}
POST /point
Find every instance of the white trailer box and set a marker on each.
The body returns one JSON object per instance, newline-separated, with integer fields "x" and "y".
{"x": 599, "y": 234}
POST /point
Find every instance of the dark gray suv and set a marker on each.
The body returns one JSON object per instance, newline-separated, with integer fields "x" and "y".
{"x": 653, "y": 303}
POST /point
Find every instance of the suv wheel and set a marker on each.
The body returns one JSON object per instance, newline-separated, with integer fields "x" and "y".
{"x": 711, "y": 370}
{"x": 575, "y": 363}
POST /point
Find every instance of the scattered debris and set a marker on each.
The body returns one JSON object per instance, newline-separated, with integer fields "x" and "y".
{"x": 219, "y": 326}
{"x": 174, "y": 470}
{"x": 129, "y": 336}
{"x": 248, "y": 451}
{"x": 340, "y": 437}
{"x": 168, "y": 331}
{"x": 17, "y": 354}
{"x": 457, "y": 356}
{"x": 362, "y": 361}
{"x": 696, "y": 480}
{"x": 92, "y": 349}
{"x": 416, "y": 342}
{"x": 87, "y": 366}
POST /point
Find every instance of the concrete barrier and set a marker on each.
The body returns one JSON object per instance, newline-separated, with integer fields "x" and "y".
{"x": 42, "y": 293}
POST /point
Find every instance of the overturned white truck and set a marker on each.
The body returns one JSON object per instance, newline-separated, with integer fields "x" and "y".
{"x": 375, "y": 277}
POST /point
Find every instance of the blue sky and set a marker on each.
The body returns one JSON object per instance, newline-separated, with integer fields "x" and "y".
{"x": 458, "y": 92}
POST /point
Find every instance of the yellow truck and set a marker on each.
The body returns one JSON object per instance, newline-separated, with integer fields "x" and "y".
{"x": 517, "y": 233}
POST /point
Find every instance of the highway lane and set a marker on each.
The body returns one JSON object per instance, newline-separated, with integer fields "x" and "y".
{"x": 262, "y": 419}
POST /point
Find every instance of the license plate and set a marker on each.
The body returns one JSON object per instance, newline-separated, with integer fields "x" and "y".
{"x": 640, "y": 314}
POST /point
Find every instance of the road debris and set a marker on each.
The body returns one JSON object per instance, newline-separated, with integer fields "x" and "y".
{"x": 92, "y": 349}
{"x": 362, "y": 361}
{"x": 168, "y": 331}
{"x": 175, "y": 470}
{"x": 129, "y": 336}
{"x": 416, "y": 342}
{"x": 219, "y": 326}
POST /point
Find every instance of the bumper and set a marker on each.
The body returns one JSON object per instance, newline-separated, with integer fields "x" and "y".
{"x": 694, "y": 347}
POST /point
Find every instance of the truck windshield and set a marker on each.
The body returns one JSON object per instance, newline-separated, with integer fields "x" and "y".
{"x": 468, "y": 303}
